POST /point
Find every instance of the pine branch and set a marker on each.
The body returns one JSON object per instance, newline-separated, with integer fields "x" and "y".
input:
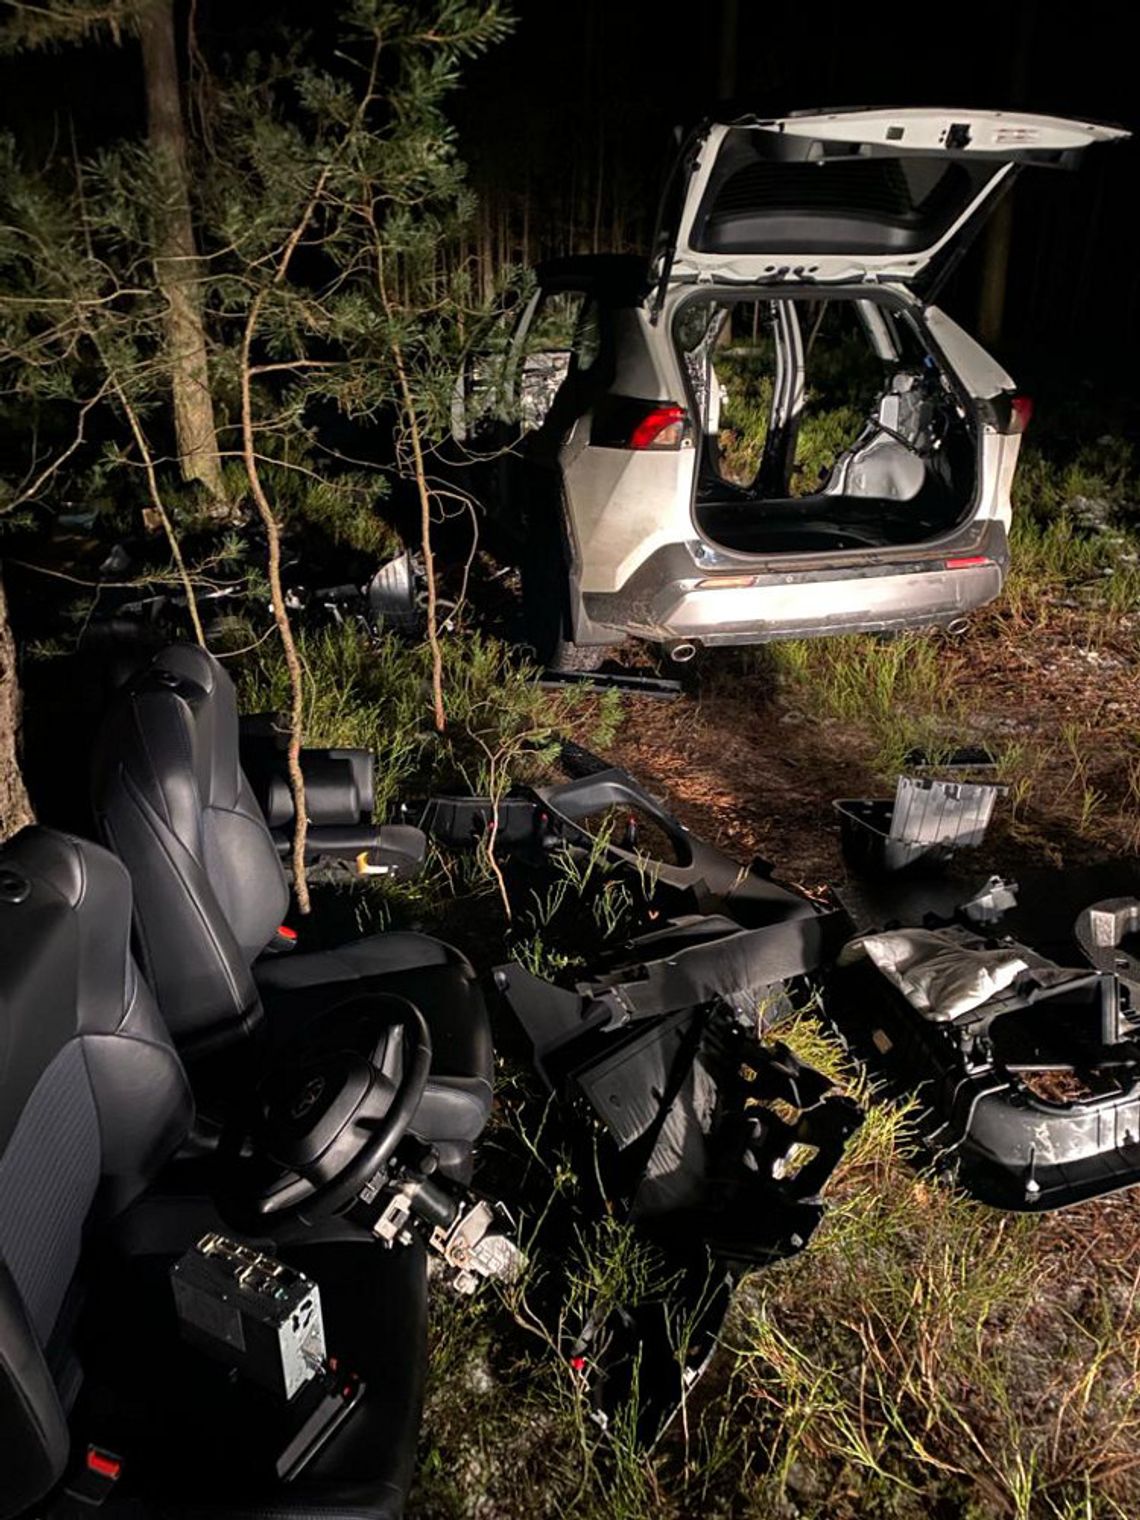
{"x": 160, "y": 511}
{"x": 280, "y": 615}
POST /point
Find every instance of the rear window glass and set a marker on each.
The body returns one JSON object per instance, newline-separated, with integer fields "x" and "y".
{"x": 852, "y": 204}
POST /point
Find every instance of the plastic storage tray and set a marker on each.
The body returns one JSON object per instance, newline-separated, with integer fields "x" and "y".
{"x": 927, "y": 821}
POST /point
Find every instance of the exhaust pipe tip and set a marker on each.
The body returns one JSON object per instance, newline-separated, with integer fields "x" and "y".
{"x": 681, "y": 652}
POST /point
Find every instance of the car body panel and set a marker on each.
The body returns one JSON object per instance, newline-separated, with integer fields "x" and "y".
{"x": 900, "y": 208}
{"x": 979, "y": 371}
{"x": 873, "y": 603}
{"x": 623, "y": 507}
{"x": 675, "y": 597}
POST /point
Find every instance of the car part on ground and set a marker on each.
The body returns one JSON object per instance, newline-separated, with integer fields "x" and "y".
{"x": 694, "y": 1104}
{"x": 469, "y": 1235}
{"x": 339, "y": 797}
{"x": 605, "y": 812}
{"x": 1030, "y": 1086}
{"x": 633, "y": 682}
{"x": 97, "y": 1202}
{"x": 327, "y": 1114}
{"x": 262, "y": 1320}
{"x": 701, "y": 1129}
{"x": 251, "y": 1311}
{"x": 1107, "y": 932}
{"x": 926, "y": 823}
{"x": 692, "y": 1123}
{"x": 392, "y": 597}
{"x": 991, "y": 902}
{"x": 1033, "y": 1094}
{"x": 172, "y": 798}
{"x": 940, "y": 977}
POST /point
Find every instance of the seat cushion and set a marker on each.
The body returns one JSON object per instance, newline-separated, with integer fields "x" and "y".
{"x": 300, "y": 988}
{"x": 196, "y": 1443}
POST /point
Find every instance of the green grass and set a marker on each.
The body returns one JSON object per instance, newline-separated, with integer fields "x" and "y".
{"x": 898, "y": 692}
{"x": 502, "y": 727}
{"x": 922, "y": 1357}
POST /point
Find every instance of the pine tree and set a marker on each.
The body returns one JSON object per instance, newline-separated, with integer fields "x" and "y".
{"x": 325, "y": 188}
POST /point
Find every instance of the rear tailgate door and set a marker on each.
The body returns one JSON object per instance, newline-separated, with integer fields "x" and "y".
{"x": 849, "y": 195}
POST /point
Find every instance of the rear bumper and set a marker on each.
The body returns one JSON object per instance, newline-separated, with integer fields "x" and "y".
{"x": 671, "y": 597}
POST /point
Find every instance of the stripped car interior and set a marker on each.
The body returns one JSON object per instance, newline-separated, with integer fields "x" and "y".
{"x": 906, "y": 472}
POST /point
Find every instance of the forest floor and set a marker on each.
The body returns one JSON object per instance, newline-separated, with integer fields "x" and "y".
{"x": 899, "y": 1413}
{"x": 925, "y": 1356}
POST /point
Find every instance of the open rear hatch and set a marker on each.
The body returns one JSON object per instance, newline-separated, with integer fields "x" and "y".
{"x": 826, "y": 425}
{"x": 848, "y": 195}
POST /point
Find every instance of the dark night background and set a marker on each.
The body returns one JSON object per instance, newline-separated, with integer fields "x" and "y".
{"x": 567, "y": 128}
{"x": 613, "y": 79}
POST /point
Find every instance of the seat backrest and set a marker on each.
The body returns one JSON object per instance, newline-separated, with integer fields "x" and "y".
{"x": 172, "y": 801}
{"x": 93, "y": 1099}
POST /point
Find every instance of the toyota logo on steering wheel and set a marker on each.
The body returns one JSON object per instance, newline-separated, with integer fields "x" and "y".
{"x": 307, "y": 1098}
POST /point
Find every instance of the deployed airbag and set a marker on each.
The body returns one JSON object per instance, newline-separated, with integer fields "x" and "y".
{"x": 939, "y": 978}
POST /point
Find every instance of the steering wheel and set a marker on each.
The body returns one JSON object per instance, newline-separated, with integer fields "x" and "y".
{"x": 326, "y": 1116}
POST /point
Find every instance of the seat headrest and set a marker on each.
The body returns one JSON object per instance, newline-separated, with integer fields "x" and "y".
{"x": 180, "y": 665}
{"x": 54, "y": 859}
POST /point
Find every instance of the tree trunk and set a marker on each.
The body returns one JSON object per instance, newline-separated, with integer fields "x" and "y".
{"x": 726, "y": 54}
{"x": 995, "y": 272}
{"x": 15, "y": 809}
{"x": 999, "y": 233}
{"x": 176, "y": 262}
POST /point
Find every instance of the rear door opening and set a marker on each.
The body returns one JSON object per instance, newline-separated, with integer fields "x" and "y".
{"x": 824, "y": 423}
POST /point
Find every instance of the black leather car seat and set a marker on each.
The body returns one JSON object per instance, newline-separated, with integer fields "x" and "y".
{"x": 172, "y": 801}
{"x": 93, "y": 1101}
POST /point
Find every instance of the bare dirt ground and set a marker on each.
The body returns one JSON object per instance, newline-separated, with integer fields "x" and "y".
{"x": 755, "y": 766}
{"x": 749, "y": 771}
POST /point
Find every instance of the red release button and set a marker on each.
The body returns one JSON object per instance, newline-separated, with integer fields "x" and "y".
{"x": 102, "y": 1463}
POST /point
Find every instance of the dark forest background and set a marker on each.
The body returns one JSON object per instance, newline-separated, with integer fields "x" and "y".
{"x": 568, "y": 130}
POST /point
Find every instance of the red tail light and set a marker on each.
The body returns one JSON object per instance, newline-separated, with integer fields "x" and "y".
{"x": 1020, "y": 413}
{"x": 630, "y": 422}
{"x": 661, "y": 428}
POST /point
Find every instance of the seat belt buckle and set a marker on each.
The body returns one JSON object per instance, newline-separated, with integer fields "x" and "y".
{"x": 93, "y": 1480}
{"x": 284, "y": 940}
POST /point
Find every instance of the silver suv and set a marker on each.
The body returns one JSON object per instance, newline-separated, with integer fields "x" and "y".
{"x": 769, "y": 430}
